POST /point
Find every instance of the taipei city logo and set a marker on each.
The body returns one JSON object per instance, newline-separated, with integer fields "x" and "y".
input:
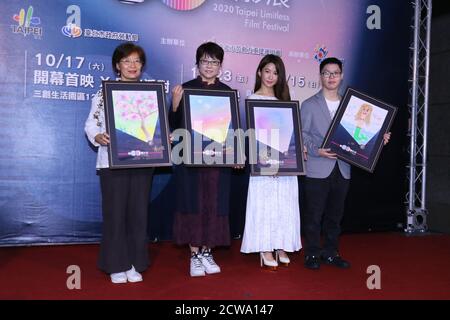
{"x": 71, "y": 31}
{"x": 27, "y": 24}
{"x": 72, "y": 28}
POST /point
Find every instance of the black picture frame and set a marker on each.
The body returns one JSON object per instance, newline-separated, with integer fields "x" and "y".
{"x": 136, "y": 121}
{"x": 357, "y": 130}
{"x": 283, "y": 116}
{"x": 212, "y": 120}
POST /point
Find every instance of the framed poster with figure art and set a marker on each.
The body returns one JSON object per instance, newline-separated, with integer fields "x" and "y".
{"x": 275, "y": 137}
{"x": 357, "y": 130}
{"x": 136, "y": 121}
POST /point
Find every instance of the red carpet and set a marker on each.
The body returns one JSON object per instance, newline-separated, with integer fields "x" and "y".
{"x": 411, "y": 268}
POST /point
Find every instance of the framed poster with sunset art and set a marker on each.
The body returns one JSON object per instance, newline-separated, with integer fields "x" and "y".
{"x": 275, "y": 137}
{"x": 212, "y": 119}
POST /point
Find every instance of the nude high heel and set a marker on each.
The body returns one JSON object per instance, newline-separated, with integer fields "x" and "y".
{"x": 284, "y": 261}
{"x": 267, "y": 264}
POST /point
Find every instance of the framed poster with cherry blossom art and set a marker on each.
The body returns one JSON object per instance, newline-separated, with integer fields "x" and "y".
{"x": 356, "y": 132}
{"x": 136, "y": 121}
{"x": 212, "y": 121}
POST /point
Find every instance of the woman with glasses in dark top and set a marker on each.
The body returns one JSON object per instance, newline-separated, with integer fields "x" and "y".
{"x": 125, "y": 192}
{"x": 202, "y": 200}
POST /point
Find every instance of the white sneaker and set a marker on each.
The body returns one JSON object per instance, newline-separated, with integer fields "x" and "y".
{"x": 197, "y": 268}
{"x": 119, "y": 277}
{"x": 208, "y": 262}
{"x": 133, "y": 275}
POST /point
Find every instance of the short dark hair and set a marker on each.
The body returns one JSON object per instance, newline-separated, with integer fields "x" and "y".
{"x": 211, "y": 49}
{"x": 281, "y": 88}
{"x": 124, "y": 50}
{"x": 331, "y": 60}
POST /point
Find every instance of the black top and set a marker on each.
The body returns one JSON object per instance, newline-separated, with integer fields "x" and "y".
{"x": 200, "y": 190}
{"x": 176, "y": 119}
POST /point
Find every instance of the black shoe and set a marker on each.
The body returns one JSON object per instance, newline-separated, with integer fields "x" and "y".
{"x": 312, "y": 262}
{"x": 336, "y": 261}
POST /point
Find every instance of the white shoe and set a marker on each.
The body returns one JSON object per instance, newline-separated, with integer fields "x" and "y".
{"x": 267, "y": 264}
{"x": 283, "y": 260}
{"x": 133, "y": 275}
{"x": 119, "y": 277}
{"x": 197, "y": 268}
{"x": 208, "y": 262}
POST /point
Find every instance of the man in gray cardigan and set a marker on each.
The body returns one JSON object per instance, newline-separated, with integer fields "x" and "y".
{"x": 327, "y": 178}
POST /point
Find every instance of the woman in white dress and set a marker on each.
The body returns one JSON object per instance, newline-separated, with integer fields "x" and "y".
{"x": 272, "y": 221}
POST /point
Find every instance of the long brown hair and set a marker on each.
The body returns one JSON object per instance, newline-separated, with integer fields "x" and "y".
{"x": 281, "y": 88}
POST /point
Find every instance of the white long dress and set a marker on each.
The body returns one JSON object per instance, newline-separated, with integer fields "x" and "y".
{"x": 272, "y": 219}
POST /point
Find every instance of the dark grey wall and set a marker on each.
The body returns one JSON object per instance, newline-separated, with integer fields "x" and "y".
{"x": 438, "y": 180}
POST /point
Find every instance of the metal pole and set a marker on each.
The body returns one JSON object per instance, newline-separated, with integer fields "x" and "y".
{"x": 413, "y": 128}
{"x": 425, "y": 112}
{"x": 420, "y": 69}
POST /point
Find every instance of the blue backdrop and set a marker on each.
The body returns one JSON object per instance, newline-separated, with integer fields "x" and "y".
{"x": 54, "y": 55}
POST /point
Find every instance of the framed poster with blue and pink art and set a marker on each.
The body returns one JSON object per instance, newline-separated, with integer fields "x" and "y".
{"x": 275, "y": 140}
{"x": 357, "y": 130}
{"x": 136, "y": 121}
{"x": 213, "y": 126}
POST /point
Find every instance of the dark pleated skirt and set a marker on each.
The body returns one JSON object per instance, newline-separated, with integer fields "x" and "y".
{"x": 202, "y": 210}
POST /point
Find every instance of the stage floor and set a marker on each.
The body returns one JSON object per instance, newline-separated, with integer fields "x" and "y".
{"x": 411, "y": 267}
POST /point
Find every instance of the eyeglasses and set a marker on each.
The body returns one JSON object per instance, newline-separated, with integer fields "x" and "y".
{"x": 129, "y": 62}
{"x": 214, "y": 63}
{"x": 327, "y": 74}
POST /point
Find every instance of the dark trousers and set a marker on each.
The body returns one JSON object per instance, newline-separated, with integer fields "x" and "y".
{"x": 324, "y": 207}
{"x": 125, "y": 199}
